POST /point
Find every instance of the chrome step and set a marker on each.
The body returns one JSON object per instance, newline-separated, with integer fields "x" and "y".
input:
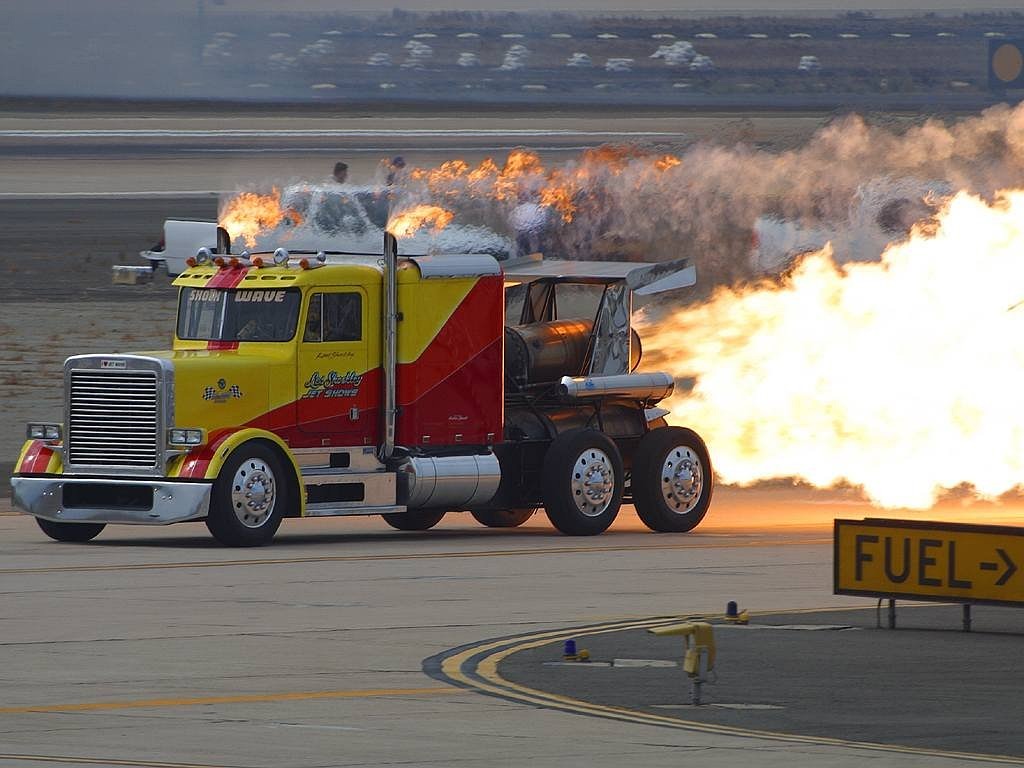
{"x": 361, "y": 458}
{"x": 333, "y": 510}
{"x": 347, "y": 473}
{"x": 341, "y": 490}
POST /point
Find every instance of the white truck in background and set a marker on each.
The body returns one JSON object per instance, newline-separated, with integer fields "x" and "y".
{"x": 181, "y": 241}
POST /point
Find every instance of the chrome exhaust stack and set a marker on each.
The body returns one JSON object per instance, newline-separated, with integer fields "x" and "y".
{"x": 390, "y": 304}
{"x": 649, "y": 387}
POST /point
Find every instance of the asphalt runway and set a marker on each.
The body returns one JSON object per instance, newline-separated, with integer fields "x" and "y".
{"x": 155, "y": 647}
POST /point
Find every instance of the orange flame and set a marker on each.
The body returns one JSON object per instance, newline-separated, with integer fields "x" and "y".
{"x": 482, "y": 172}
{"x": 442, "y": 180}
{"x": 412, "y": 220}
{"x": 615, "y": 156}
{"x": 559, "y": 192}
{"x": 903, "y": 377}
{"x": 520, "y": 166}
{"x": 523, "y": 176}
{"x": 248, "y": 214}
{"x": 665, "y": 162}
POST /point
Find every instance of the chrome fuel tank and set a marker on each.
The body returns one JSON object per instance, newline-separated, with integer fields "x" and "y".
{"x": 456, "y": 482}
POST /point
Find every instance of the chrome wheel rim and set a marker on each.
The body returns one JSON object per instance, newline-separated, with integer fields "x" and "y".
{"x": 593, "y": 482}
{"x": 253, "y": 493}
{"x": 682, "y": 479}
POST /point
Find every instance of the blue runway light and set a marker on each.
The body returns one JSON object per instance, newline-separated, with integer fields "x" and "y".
{"x": 569, "y": 649}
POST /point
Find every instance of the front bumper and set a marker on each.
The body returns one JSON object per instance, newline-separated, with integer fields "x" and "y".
{"x": 173, "y": 502}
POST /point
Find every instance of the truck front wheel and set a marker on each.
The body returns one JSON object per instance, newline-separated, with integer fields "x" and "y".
{"x": 249, "y": 497}
{"x": 671, "y": 480}
{"x": 70, "y": 531}
{"x": 582, "y": 482}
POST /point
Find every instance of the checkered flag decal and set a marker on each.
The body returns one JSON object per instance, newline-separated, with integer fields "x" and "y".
{"x": 235, "y": 391}
{"x": 208, "y": 393}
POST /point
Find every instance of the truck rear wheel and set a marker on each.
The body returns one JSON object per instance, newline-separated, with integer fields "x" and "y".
{"x": 502, "y": 518}
{"x": 78, "y": 532}
{"x": 249, "y": 497}
{"x": 415, "y": 520}
{"x": 582, "y": 482}
{"x": 672, "y": 480}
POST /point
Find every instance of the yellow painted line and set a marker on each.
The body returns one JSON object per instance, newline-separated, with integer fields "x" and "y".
{"x": 73, "y": 760}
{"x": 92, "y": 706}
{"x": 487, "y": 668}
{"x": 452, "y": 666}
{"x": 418, "y": 556}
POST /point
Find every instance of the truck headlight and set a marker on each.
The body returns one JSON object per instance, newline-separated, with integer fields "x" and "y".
{"x": 48, "y": 432}
{"x": 186, "y": 437}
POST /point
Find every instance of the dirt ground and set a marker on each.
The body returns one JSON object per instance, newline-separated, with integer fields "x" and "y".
{"x": 38, "y": 335}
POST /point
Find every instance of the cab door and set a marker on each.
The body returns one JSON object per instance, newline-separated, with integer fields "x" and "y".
{"x": 335, "y": 394}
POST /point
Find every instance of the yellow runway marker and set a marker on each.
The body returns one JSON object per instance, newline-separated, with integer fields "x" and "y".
{"x": 94, "y": 706}
{"x": 72, "y": 760}
{"x": 415, "y": 556}
{"x": 492, "y": 682}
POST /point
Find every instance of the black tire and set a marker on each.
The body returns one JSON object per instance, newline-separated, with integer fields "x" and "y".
{"x": 672, "y": 503}
{"x": 502, "y": 518}
{"x": 230, "y": 522}
{"x": 575, "y": 458}
{"x": 77, "y": 532}
{"x": 415, "y": 520}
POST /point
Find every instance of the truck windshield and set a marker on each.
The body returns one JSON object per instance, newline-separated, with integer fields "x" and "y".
{"x": 211, "y": 314}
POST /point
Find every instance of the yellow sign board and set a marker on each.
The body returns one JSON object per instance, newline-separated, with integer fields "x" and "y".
{"x": 933, "y": 561}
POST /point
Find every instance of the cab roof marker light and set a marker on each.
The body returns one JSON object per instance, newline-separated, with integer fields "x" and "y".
{"x": 191, "y": 261}
{"x": 219, "y": 261}
{"x": 281, "y": 257}
{"x": 257, "y": 261}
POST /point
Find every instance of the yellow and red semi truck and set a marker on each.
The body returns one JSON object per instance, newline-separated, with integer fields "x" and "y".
{"x": 303, "y": 385}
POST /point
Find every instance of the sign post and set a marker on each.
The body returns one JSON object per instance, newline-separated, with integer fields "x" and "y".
{"x": 932, "y": 561}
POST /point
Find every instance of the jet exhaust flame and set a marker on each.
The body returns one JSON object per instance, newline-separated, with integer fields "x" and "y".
{"x": 903, "y": 377}
{"x": 248, "y": 214}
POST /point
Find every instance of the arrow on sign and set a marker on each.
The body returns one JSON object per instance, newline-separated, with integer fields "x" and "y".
{"x": 1011, "y": 567}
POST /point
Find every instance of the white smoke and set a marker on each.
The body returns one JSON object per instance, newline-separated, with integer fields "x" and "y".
{"x": 738, "y": 211}
{"x": 858, "y": 184}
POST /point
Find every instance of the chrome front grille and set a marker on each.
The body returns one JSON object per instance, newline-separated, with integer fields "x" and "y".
{"x": 113, "y": 419}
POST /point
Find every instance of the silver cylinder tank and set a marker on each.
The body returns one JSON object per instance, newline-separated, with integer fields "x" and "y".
{"x": 541, "y": 352}
{"x": 457, "y": 482}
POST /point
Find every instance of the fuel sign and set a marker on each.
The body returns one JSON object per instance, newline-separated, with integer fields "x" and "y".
{"x": 934, "y": 561}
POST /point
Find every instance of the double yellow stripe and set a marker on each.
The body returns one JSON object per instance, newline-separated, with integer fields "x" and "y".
{"x": 93, "y": 706}
{"x": 486, "y": 668}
